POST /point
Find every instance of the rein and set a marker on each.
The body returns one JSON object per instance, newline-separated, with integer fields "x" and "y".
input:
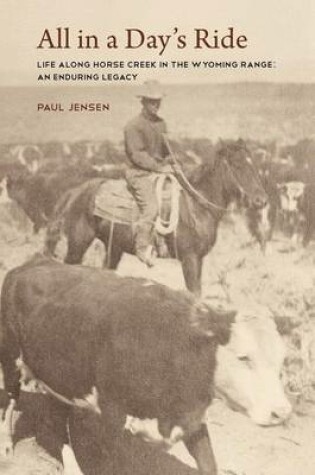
{"x": 192, "y": 190}
{"x": 195, "y": 193}
{"x": 186, "y": 183}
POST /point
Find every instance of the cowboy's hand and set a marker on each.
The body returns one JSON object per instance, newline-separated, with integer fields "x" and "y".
{"x": 169, "y": 159}
{"x": 176, "y": 168}
{"x": 166, "y": 169}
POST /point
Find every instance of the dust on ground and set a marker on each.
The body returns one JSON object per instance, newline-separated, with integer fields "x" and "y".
{"x": 279, "y": 283}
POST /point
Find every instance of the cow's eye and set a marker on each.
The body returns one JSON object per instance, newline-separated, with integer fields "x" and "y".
{"x": 244, "y": 358}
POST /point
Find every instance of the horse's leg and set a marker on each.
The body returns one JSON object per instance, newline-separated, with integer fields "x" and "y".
{"x": 53, "y": 235}
{"x": 112, "y": 257}
{"x": 308, "y": 231}
{"x": 117, "y": 239}
{"x": 192, "y": 267}
{"x": 80, "y": 236}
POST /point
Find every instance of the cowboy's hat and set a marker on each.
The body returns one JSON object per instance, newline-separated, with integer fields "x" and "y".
{"x": 151, "y": 90}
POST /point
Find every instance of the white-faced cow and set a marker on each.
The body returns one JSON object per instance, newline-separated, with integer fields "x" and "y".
{"x": 288, "y": 207}
{"x": 249, "y": 370}
{"x": 116, "y": 345}
{"x": 290, "y": 217}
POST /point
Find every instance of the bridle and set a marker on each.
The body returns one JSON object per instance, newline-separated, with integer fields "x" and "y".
{"x": 235, "y": 179}
{"x": 183, "y": 180}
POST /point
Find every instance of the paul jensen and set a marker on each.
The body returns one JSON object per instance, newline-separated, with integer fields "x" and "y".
{"x": 73, "y": 107}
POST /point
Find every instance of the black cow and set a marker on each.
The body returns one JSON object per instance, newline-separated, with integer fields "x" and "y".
{"x": 35, "y": 194}
{"x": 131, "y": 346}
{"x": 38, "y": 193}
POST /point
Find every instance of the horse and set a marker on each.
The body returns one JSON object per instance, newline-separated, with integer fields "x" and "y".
{"x": 203, "y": 201}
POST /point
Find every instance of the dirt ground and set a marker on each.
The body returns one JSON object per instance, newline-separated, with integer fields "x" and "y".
{"x": 279, "y": 284}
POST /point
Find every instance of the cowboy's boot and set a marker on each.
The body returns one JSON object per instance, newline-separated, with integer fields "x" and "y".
{"x": 146, "y": 256}
{"x": 161, "y": 246}
{"x": 144, "y": 247}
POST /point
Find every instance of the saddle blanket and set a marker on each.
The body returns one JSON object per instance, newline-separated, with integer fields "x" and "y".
{"x": 113, "y": 201}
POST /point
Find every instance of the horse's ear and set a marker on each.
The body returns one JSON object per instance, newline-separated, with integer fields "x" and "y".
{"x": 241, "y": 142}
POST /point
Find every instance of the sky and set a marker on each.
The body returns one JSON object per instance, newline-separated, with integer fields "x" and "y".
{"x": 279, "y": 31}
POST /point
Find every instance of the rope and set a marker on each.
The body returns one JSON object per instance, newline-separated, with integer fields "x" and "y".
{"x": 162, "y": 226}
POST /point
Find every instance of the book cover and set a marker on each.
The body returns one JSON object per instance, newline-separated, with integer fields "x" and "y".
{"x": 218, "y": 97}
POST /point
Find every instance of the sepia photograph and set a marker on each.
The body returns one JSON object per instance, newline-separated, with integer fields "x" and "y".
{"x": 157, "y": 238}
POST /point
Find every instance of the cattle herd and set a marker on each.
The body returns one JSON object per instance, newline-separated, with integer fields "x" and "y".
{"x": 138, "y": 359}
{"x": 36, "y": 175}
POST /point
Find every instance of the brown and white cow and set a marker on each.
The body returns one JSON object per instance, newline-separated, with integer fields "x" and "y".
{"x": 116, "y": 345}
{"x": 290, "y": 195}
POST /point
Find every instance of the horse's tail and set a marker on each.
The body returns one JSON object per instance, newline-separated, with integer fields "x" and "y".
{"x": 70, "y": 206}
{"x": 56, "y": 224}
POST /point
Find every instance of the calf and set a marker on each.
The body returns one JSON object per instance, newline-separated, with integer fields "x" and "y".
{"x": 116, "y": 345}
{"x": 290, "y": 195}
{"x": 261, "y": 222}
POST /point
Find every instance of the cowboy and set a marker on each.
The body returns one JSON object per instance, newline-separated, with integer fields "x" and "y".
{"x": 147, "y": 155}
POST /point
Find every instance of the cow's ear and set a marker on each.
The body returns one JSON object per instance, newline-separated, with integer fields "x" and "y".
{"x": 214, "y": 322}
{"x": 222, "y": 323}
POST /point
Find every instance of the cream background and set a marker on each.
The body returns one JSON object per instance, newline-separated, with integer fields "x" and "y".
{"x": 278, "y": 30}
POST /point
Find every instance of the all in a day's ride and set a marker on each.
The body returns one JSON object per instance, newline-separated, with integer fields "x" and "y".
{"x": 203, "y": 200}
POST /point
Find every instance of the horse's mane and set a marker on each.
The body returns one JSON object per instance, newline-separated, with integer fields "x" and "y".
{"x": 197, "y": 166}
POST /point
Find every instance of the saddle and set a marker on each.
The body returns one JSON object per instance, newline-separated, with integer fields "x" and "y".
{"x": 114, "y": 202}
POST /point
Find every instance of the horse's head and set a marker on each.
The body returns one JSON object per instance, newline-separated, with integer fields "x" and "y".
{"x": 241, "y": 177}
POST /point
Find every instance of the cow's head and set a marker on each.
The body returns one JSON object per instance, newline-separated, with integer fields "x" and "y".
{"x": 290, "y": 195}
{"x": 249, "y": 370}
{"x": 209, "y": 327}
